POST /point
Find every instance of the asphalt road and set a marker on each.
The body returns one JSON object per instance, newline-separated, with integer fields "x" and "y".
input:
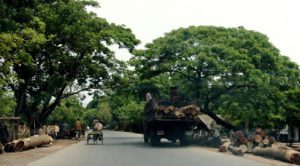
{"x": 128, "y": 149}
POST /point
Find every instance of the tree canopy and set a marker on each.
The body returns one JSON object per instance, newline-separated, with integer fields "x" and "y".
{"x": 222, "y": 68}
{"x": 53, "y": 49}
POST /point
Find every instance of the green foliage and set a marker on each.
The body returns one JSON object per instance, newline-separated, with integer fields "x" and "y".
{"x": 47, "y": 46}
{"x": 7, "y": 104}
{"x": 102, "y": 113}
{"x": 68, "y": 111}
{"x": 130, "y": 114}
{"x": 231, "y": 70}
{"x": 292, "y": 105}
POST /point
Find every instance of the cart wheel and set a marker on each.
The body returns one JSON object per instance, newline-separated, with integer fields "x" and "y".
{"x": 87, "y": 139}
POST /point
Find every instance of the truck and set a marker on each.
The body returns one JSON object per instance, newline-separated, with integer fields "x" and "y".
{"x": 164, "y": 120}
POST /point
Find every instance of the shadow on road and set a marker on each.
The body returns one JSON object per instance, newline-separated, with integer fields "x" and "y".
{"x": 138, "y": 143}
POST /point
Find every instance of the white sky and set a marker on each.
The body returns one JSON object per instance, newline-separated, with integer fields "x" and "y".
{"x": 149, "y": 19}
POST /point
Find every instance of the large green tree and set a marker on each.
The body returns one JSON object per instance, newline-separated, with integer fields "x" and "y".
{"x": 53, "y": 49}
{"x": 214, "y": 62}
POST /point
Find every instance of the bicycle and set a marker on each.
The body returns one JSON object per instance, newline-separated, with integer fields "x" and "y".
{"x": 77, "y": 136}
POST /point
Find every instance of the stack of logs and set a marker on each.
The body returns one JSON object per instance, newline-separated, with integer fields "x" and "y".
{"x": 260, "y": 144}
{"x": 28, "y": 143}
{"x": 186, "y": 112}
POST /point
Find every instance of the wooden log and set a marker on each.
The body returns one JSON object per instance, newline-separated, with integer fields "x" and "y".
{"x": 261, "y": 145}
{"x": 14, "y": 146}
{"x": 177, "y": 113}
{"x": 171, "y": 108}
{"x": 244, "y": 148}
{"x": 280, "y": 146}
{"x": 224, "y": 147}
{"x": 235, "y": 150}
{"x": 9, "y": 147}
{"x": 194, "y": 111}
{"x": 18, "y": 145}
{"x": 258, "y": 130}
{"x": 167, "y": 110}
{"x": 271, "y": 139}
{"x": 266, "y": 142}
{"x": 278, "y": 153}
{"x": 258, "y": 138}
{"x": 182, "y": 115}
{"x": 263, "y": 134}
{"x": 297, "y": 149}
{"x": 249, "y": 147}
{"x": 250, "y": 138}
{"x": 37, "y": 141}
{"x": 187, "y": 109}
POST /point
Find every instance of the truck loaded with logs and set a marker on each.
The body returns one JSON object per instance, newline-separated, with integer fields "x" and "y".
{"x": 167, "y": 119}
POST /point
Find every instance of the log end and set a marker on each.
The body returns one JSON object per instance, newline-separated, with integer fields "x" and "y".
{"x": 295, "y": 158}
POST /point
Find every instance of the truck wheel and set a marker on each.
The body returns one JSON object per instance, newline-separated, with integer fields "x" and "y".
{"x": 154, "y": 139}
{"x": 146, "y": 138}
{"x": 185, "y": 140}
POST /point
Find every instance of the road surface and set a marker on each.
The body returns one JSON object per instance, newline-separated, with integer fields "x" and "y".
{"x": 128, "y": 149}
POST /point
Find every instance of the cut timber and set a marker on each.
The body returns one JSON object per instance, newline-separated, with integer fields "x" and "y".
{"x": 266, "y": 142}
{"x": 250, "y": 147}
{"x": 218, "y": 120}
{"x": 297, "y": 149}
{"x": 235, "y": 150}
{"x": 14, "y": 146}
{"x": 261, "y": 145}
{"x": 224, "y": 147}
{"x": 263, "y": 134}
{"x": 271, "y": 139}
{"x": 193, "y": 111}
{"x": 277, "y": 153}
{"x": 37, "y": 141}
{"x": 244, "y": 148}
{"x": 18, "y": 145}
{"x": 258, "y": 130}
{"x": 258, "y": 138}
{"x": 280, "y": 146}
{"x": 177, "y": 113}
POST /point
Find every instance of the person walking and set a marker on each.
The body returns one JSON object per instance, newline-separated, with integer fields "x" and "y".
{"x": 77, "y": 130}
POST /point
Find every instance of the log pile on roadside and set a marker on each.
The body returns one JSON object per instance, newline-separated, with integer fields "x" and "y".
{"x": 28, "y": 143}
{"x": 260, "y": 144}
{"x": 186, "y": 112}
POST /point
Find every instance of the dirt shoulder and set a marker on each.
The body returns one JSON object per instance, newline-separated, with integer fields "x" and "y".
{"x": 26, "y": 157}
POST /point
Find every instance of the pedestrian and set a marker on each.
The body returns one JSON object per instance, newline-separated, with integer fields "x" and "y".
{"x": 78, "y": 129}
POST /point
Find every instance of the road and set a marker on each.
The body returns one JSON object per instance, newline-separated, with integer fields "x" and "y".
{"x": 128, "y": 149}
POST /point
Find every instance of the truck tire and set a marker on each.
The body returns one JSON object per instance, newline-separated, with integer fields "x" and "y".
{"x": 154, "y": 139}
{"x": 185, "y": 140}
{"x": 146, "y": 138}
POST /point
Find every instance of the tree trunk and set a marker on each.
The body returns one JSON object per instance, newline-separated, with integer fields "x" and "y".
{"x": 243, "y": 148}
{"x": 235, "y": 150}
{"x": 279, "y": 153}
{"x": 258, "y": 138}
{"x": 218, "y": 120}
{"x": 224, "y": 147}
{"x": 250, "y": 146}
{"x": 36, "y": 141}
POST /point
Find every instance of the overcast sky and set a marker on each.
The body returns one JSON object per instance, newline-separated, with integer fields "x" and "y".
{"x": 149, "y": 19}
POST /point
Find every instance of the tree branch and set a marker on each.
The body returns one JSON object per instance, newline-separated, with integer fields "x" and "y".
{"x": 74, "y": 93}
